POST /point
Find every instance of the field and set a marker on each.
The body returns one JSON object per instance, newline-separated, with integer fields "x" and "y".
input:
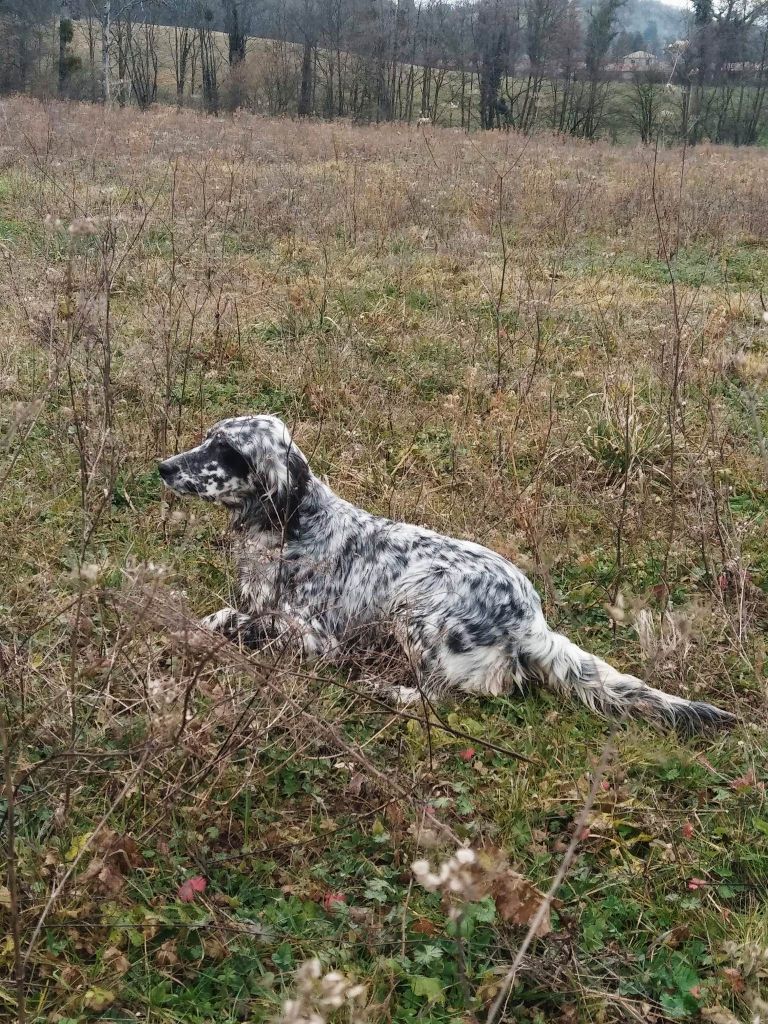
{"x": 555, "y": 349}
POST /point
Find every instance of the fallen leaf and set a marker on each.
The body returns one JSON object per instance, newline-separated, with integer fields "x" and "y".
{"x": 166, "y": 954}
{"x": 718, "y": 1015}
{"x": 115, "y": 857}
{"x": 189, "y": 889}
{"x": 5, "y": 896}
{"x": 355, "y": 785}
{"x": 78, "y": 845}
{"x": 746, "y": 782}
{"x": 115, "y": 960}
{"x": 697, "y": 883}
{"x": 734, "y": 978}
{"x": 431, "y": 988}
{"x": 394, "y": 815}
{"x": 687, "y": 830}
{"x": 426, "y": 838}
{"x": 468, "y": 754}
{"x": 332, "y": 900}
{"x": 423, "y": 926}
{"x": 518, "y": 901}
{"x": 675, "y": 936}
{"x": 215, "y": 949}
{"x": 98, "y": 999}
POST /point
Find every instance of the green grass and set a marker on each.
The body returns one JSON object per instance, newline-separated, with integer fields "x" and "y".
{"x": 661, "y": 822}
{"x": 693, "y": 266}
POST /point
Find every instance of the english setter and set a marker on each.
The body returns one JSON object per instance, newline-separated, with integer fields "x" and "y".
{"x": 327, "y": 578}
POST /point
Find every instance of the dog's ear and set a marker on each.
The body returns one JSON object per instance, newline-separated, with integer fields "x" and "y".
{"x": 279, "y": 469}
{"x": 297, "y": 480}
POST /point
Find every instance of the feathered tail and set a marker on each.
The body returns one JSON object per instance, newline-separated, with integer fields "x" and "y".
{"x": 563, "y": 666}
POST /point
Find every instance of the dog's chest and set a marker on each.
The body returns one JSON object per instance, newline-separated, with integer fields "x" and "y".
{"x": 258, "y": 569}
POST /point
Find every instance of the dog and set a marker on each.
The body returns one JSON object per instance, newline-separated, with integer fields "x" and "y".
{"x": 326, "y": 579}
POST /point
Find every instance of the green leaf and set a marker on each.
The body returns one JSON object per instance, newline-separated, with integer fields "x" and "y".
{"x": 429, "y": 988}
{"x": 283, "y": 957}
{"x": 378, "y": 890}
{"x": 427, "y": 955}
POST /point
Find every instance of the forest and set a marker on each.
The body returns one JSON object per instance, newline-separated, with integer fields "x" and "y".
{"x": 620, "y": 70}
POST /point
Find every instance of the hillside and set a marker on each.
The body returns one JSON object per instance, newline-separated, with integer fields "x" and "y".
{"x": 642, "y": 15}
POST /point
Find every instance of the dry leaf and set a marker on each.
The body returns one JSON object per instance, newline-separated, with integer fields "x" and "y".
{"x": 115, "y": 960}
{"x": 719, "y": 1015}
{"x": 675, "y": 936}
{"x": 518, "y": 901}
{"x": 423, "y": 926}
{"x": 356, "y": 783}
{"x": 166, "y": 954}
{"x": 188, "y": 890}
{"x": 117, "y": 856}
{"x": 426, "y": 838}
{"x": 98, "y": 999}
{"x": 215, "y": 949}
{"x": 393, "y": 814}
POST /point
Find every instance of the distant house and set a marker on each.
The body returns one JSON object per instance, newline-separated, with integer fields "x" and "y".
{"x": 639, "y": 61}
{"x": 742, "y": 67}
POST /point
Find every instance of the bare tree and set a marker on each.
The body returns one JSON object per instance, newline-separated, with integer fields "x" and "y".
{"x": 601, "y": 30}
{"x": 182, "y": 42}
{"x": 237, "y": 24}
{"x": 542, "y": 22}
{"x": 137, "y": 56}
{"x": 645, "y": 101}
{"x": 206, "y": 45}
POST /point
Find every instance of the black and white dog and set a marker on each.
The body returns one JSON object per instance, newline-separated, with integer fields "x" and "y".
{"x": 325, "y": 578}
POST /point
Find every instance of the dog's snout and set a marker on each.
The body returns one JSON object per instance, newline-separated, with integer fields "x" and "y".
{"x": 167, "y": 470}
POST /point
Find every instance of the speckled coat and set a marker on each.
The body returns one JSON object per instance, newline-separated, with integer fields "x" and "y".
{"x": 328, "y": 578}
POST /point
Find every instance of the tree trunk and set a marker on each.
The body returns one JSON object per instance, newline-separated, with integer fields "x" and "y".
{"x": 305, "y": 89}
{"x": 105, "y": 29}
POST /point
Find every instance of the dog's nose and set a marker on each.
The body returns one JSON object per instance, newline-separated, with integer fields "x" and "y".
{"x": 167, "y": 470}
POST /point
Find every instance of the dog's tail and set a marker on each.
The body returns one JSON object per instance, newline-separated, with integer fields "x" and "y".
{"x": 562, "y": 665}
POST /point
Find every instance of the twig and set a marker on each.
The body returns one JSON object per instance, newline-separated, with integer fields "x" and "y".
{"x": 562, "y": 871}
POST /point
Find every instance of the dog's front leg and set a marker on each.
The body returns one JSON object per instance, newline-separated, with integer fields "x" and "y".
{"x": 282, "y": 631}
{"x": 227, "y": 621}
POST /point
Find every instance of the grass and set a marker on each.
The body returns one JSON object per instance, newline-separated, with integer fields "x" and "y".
{"x": 191, "y": 278}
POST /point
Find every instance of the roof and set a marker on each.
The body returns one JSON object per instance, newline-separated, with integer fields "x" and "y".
{"x": 640, "y": 55}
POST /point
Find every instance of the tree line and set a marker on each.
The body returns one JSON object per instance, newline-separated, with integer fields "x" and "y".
{"x": 486, "y": 64}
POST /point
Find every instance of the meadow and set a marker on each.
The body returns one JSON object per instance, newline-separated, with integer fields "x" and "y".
{"x": 556, "y": 349}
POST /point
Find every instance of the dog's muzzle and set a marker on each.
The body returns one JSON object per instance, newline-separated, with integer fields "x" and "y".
{"x": 174, "y": 478}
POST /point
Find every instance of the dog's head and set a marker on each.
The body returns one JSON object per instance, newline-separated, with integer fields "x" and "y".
{"x": 251, "y": 465}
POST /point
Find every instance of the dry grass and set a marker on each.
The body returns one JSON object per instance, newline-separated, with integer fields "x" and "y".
{"x": 555, "y": 349}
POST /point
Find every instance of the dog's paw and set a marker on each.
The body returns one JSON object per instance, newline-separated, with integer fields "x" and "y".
{"x": 226, "y": 620}
{"x": 404, "y": 696}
